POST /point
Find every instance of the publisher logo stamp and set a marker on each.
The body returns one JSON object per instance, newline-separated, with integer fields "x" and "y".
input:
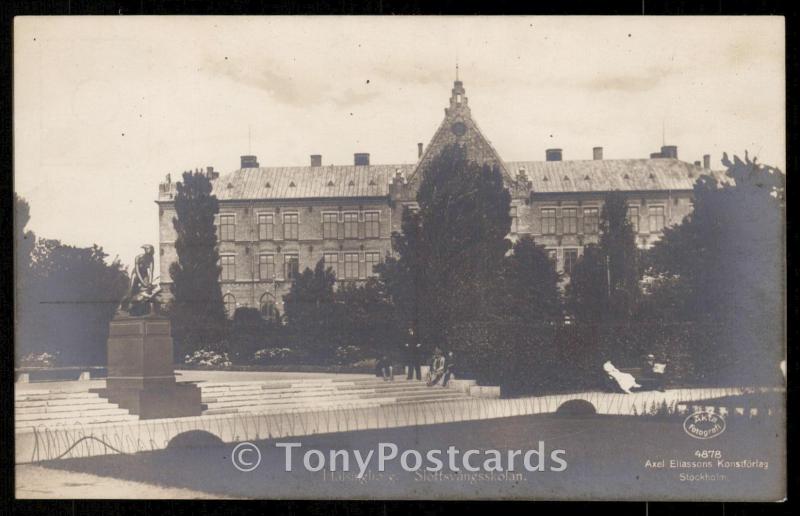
{"x": 704, "y": 425}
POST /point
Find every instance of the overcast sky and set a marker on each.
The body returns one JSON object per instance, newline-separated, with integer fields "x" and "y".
{"x": 106, "y": 107}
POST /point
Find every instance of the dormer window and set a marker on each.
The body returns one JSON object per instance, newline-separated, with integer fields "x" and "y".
{"x": 351, "y": 183}
{"x": 458, "y": 98}
{"x": 330, "y": 183}
{"x": 371, "y": 182}
{"x": 292, "y": 185}
{"x": 267, "y": 185}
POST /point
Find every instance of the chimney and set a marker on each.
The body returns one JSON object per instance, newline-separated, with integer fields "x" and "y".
{"x": 707, "y": 161}
{"x": 249, "y": 162}
{"x": 211, "y": 173}
{"x": 655, "y": 155}
{"x": 316, "y": 160}
{"x": 419, "y": 150}
{"x": 669, "y": 151}
{"x": 553, "y": 154}
{"x": 361, "y": 159}
{"x": 597, "y": 153}
{"x": 697, "y": 164}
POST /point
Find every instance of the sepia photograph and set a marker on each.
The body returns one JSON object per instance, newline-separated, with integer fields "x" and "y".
{"x": 400, "y": 257}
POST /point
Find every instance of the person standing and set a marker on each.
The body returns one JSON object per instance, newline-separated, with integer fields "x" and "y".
{"x": 384, "y": 369}
{"x": 412, "y": 349}
{"x": 449, "y": 367}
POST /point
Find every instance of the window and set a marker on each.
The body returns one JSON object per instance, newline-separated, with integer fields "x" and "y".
{"x": 330, "y": 225}
{"x": 633, "y": 217}
{"x": 230, "y": 305}
{"x": 570, "y": 258}
{"x": 266, "y": 305}
{"x": 332, "y": 262}
{"x": 291, "y": 227}
{"x": 570, "y": 216}
{"x": 351, "y": 266}
{"x": 350, "y": 225}
{"x": 590, "y": 220}
{"x": 656, "y": 218}
{"x": 372, "y": 221}
{"x": 548, "y": 221}
{"x": 372, "y": 260}
{"x": 227, "y": 228}
{"x": 266, "y": 226}
{"x": 291, "y": 264}
{"x": 228, "y": 263}
{"x": 514, "y": 219}
{"x": 266, "y": 267}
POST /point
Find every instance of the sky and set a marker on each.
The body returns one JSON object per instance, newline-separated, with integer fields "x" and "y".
{"x": 105, "y": 107}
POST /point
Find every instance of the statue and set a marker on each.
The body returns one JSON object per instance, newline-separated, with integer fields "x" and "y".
{"x": 142, "y": 296}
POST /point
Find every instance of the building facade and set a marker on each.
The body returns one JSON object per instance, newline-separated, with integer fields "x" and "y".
{"x": 274, "y": 222}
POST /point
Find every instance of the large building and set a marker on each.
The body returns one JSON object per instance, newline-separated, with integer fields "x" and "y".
{"x": 275, "y": 221}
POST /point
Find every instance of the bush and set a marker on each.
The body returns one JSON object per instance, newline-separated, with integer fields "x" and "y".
{"x": 348, "y": 354}
{"x": 39, "y": 360}
{"x": 208, "y": 359}
{"x": 268, "y": 356}
{"x": 533, "y": 358}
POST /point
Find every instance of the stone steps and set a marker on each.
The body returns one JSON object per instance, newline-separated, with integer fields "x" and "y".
{"x": 283, "y": 396}
{"x": 57, "y": 409}
{"x": 53, "y": 395}
{"x": 54, "y": 408}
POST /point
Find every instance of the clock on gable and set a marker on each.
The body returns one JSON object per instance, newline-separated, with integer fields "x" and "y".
{"x": 458, "y": 128}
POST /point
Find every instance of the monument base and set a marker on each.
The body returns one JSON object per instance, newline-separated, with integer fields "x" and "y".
{"x": 141, "y": 377}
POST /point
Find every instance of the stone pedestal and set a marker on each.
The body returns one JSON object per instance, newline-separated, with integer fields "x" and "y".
{"x": 141, "y": 377}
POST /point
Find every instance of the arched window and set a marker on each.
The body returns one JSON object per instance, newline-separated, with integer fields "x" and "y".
{"x": 266, "y": 305}
{"x": 230, "y": 304}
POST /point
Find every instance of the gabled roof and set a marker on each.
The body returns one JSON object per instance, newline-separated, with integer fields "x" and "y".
{"x": 610, "y": 174}
{"x": 347, "y": 181}
{"x": 301, "y": 182}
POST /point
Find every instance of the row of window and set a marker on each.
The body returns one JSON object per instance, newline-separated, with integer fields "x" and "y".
{"x": 570, "y": 257}
{"x": 352, "y": 267}
{"x": 591, "y": 219}
{"x": 332, "y": 226}
{"x": 266, "y": 305}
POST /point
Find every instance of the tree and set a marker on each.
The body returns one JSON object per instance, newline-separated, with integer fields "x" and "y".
{"x": 70, "y": 298}
{"x": 723, "y": 268}
{"x": 368, "y": 318}
{"x": 24, "y": 240}
{"x": 604, "y": 285}
{"x": 197, "y": 312}
{"x": 530, "y": 290}
{"x": 249, "y": 331}
{"x": 311, "y": 312}
{"x": 452, "y": 251}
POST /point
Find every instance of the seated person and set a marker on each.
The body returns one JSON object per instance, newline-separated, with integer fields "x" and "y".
{"x": 653, "y": 374}
{"x": 437, "y": 368}
{"x": 384, "y": 368}
{"x": 625, "y": 381}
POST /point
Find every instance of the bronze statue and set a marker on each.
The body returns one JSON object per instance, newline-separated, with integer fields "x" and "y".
{"x": 142, "y": 296}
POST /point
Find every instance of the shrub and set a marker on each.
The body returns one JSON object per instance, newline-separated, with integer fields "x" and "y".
{"x": 277, "y": 356}
{"x": 39, "y": 360}
{"x": 208, "y": 359}
{"x": 347, "y": 354}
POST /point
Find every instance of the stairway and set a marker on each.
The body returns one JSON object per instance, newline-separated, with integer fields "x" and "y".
{"x": 56, "y": 409}
{"x": 324, "y": 393}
